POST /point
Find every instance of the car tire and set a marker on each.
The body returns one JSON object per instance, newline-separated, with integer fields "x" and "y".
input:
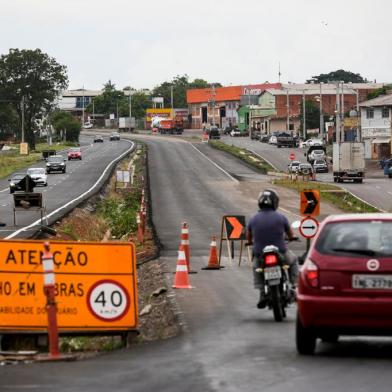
{"x": 305, "y": 339}
{"x": 64, "y": 170}
{"x": 46, "y": 184}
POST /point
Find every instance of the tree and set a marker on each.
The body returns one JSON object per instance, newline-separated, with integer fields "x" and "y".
{"x": 312, "y": 112}
{"x": 36, "y": 78}
{"x": 380, "y": 91}
{"x": 339, "y": 75}
{"x": 9, "y": 121}
{"x": 180, "y": 85}
{"x": 67, "y": 126}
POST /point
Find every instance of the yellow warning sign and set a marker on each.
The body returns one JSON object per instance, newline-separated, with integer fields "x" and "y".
{"x": 95, "y": 286}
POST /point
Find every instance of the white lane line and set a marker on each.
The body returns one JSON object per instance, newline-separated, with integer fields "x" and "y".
{"x": 215, "y": 164}
{"x": 4, "y": 190}
{"x": 389, "y": 193}
{"x": 290, "y": 212}
{"x": 15, "y": 233}
{"x": 264, "y": 159}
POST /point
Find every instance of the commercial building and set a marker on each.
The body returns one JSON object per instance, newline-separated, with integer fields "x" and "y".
{"x": 376, "y": 126}
{"x": 219, "y": 105}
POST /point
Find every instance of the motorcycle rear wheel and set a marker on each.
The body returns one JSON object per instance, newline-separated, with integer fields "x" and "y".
{"x": 276, "y": 303}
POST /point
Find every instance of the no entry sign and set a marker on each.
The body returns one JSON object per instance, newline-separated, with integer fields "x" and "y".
{"x": 308, "y": 227}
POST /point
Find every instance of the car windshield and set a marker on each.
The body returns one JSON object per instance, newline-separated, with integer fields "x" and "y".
{"x": 34, "y": 170}
{"x": 55, "y": 159}
{"x": 319, "y": 162}
{"x": 75, "y": 149}
{"x": 18, "y": 176}
{"x": 367, "y": 238}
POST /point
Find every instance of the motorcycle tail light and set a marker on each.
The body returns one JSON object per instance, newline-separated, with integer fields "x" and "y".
{"x": 271, "y": 259}
{"x": 311, "y": 273}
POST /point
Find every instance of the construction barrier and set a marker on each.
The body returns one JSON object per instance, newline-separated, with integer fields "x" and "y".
{"x": 213, "y": 262}
{"x": 181, "y": 279}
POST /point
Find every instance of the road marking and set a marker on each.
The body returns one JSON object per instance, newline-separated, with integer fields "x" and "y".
{"x": 15, "y": 233}
{"x": 215, "y": 164}
{"x": 389, "y": 193}
{"x": 264, "y": 159}
{"x": 4, "y": 190}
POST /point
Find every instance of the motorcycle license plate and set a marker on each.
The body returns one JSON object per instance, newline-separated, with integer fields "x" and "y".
{"x": 272, "y": 273}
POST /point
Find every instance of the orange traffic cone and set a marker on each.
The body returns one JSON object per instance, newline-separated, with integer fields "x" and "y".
{"x": 213, "y": 262}
{"x": 185, "y": 246}
{"x": 181, "y": 280}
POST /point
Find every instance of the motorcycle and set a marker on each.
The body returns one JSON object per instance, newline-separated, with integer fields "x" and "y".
{"x": 279, "y": 292}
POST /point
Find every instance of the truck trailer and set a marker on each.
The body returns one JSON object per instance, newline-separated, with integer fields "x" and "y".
{"x": 348, "y": 161}
{"x": 171, "y": 125}
{"x": 125, "y": 123}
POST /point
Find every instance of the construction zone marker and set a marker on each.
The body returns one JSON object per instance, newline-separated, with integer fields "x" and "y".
{"x": 181, "y": 279}
{"x": 213, "y": 262}
{"x": 185, "y": 246}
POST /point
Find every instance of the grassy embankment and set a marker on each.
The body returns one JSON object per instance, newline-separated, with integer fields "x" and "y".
{"x": 244, "y": 155}
{"x": 11, "y": 161}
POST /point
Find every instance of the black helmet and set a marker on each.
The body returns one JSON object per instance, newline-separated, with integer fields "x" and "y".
{"x": 268, "y": 199}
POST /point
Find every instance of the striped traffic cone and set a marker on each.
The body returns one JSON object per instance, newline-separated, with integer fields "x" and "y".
{"x": 181, "y": 280}
{"x": 213, "y": 262}
{"x": 185, "y": 246}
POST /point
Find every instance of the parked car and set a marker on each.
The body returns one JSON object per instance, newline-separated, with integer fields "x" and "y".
{"x": 38, "y": 175}
{"x": 235, "y": 132}
{"x": 293, "y": 166}
{"x": 312, "y": 142}
{"x": 87, "y": 125}
{"x": 346, "y": 280}
{"x": 264, "y": 138}
{"x": 227, "y": 130}
{"x": 305, "y": 169}
{"x": 273, "y": 140}
{"x": 320, "y": 166}
{"x": 213, "y": 133}
{"x": 56, "y": 163}
{"x": 75, "y": 153}
{"x": 98, "y": 139}
{"x": 316, "y": 155}
{"x": 14, "y": 182}
{"x": 114, "y": 136}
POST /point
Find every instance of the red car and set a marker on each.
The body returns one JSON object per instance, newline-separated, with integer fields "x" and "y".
{"x": 74, "y": 153}
{"x": 345, "y": 285}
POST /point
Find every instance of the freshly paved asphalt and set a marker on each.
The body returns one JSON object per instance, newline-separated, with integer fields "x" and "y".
{"x": 229, "y": 345}
{"x": 80, "y": 177}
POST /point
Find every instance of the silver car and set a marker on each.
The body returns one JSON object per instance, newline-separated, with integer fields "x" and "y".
{"x": 38, "y": 175}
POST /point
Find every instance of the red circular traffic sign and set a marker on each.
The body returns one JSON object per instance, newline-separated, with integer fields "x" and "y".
{"x": 308, "y": 227}
{"x": 292, "y": 156}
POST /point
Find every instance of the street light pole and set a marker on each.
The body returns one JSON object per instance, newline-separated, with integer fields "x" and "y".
{"x": 83, "y": 108}
{"x": 23, "y": 115}
{"x": 130, "y": 108}
{"x": 249, "y": 117}
{"x": 303, "y": 115}
{"x": 288, "y": 110}
{"x": 337, "y": 117}
{"x": 321, "y": 113}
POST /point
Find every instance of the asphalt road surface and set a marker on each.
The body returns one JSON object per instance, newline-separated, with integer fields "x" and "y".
{"x": 229, "y": 344}
{"x": 376, "y": 188}
{"x": 64, "y": 190}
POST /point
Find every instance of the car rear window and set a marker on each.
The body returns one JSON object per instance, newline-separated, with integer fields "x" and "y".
{"x": 353, "y": 238}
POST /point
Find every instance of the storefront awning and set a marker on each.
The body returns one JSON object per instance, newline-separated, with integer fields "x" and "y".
{"x": 380, "y": 141}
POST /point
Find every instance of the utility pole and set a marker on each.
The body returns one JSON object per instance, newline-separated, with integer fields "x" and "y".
{"x": 303, "y": 115}
{"x": 288, "y": 110}
{"x": 249, "y": 116}
{"x": 321, "y": 113}
{"x": 359, "y": 138}
{"x": 83, "y": 108}
{"x": 213, "y": 104}
{"x": 93, "y": 112}
{"x": 337, "y": 117}
{"x": 130, "y": 109}
{"x": 171, "y": 96}
{"x": 23, "y": 119}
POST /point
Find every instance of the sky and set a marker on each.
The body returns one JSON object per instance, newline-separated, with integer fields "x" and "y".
{"x": 145, "y": 43}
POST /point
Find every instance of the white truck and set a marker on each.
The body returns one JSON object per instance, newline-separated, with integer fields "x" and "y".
{"x": 126, "y": 123}
{"x": 348, "y": 161}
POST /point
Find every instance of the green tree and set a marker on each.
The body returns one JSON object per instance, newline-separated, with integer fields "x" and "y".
{"x": 312, "y": 112}
{"x": 35, "y": 77}
{"x": 380, "y": 91}
{"x": 66, "y": 126}
{"x": 180, "y": 85}
{"x": 339, "y": 75}
{"x": 9, "y": 121}
{"x": 140, "y": 102}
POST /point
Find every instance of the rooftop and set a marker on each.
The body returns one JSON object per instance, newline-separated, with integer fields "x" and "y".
{"x": 382, "y": 100}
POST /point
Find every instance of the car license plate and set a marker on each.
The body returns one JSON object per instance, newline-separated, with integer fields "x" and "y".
{"x": 375, "y": 282}
{"x": 272, "y": 273}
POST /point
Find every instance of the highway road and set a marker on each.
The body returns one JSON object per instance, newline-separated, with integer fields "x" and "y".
{"x": 376, "y": 188}
{"x": 229, "y": 345}
{"x": 64, "y": 191}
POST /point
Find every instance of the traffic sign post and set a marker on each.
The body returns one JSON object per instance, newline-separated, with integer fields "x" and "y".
{"x": 308, "y": 229}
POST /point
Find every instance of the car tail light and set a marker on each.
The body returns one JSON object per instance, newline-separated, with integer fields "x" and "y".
{"x": 270, "y": 259}
{"x": 311, "y": 273}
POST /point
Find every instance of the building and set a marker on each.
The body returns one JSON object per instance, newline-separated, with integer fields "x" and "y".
{"x": 376, "y": 126}
{"x": 219, "y": 105}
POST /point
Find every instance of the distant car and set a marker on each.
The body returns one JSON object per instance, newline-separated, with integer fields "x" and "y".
{"x": 98, "y": 139}
{"x": 235, "y": 132}
{"x": 345, "y": 282}
{"x": 320, "y": 166}
{"x": 264, "y": 138}
{"x": 273, "y": 140}
{"x": 213, "y": 133}
{"x": 56, "y": 163}
{"x": 114, "y": 136}
{"x": 87, "y": 125}
{"x": 255, "y": 135}
{"x": 293, "y": 166}
{"x": 74, "y": 153}
{"x": 312, "y": 142}
{"x": 316, "y": 155}
{"x": 14, "y": 180}
{"x": 305, "y": 169}
{"x": 227, "y": 130}
{"x": 38, "y": 175}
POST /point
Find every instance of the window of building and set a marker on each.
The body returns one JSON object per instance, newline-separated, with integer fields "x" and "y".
{"x": 370, "y": 113}
{"x": 79, "y": 102}
{"x": 385, "y": 113}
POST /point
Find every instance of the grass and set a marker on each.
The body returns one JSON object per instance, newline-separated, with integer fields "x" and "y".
{"x": 244, "y": 155}
{"x": 330, "y": 193}
{"x": 11, "y": 161}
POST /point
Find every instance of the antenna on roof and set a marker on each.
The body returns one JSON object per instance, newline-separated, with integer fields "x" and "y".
{"x": 279, "y": 72}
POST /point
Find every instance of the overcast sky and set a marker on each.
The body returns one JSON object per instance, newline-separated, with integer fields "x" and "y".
{"x": 147, "y": 42}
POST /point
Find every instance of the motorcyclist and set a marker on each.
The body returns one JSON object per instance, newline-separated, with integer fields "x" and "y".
{"x": 269, "y": 227}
